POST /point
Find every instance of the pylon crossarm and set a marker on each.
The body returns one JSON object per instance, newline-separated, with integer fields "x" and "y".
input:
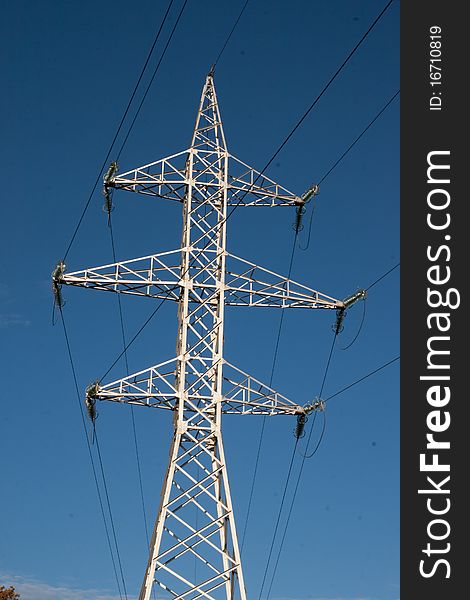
{"x": 165, "y": 178}
{"x": 152, "y": 387}
{"x": 157, "y": 276}
{"x": 252, "y": 188}
{"x": 243, "y": 394}
{"x": 255, "y": 286}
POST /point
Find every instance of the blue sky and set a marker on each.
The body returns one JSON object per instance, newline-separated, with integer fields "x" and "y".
{"x": 68, "y": 71}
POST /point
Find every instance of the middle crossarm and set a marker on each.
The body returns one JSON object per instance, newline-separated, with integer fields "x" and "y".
{"x": 158, "y": 276}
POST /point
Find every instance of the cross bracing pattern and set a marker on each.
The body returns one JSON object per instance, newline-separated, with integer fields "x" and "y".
{"x": 155, "y": 387}
{"x": 158, "y": 276}
{"x": 195, "y": 520}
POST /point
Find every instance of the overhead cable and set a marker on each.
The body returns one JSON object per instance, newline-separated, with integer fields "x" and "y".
{"x": 178, "y": 18}
{"x": 263, "y": 421}
{"x": 105, "y": 161}
{"x": 336, "y": 163}
{"x": 363, "y": 378}
{"x": 300, "y": 473}
{"x": 304, "y": 458}
{"x": 134, "y": 429}
{"x": 230, "y": 34}
{"x": 69, "y": 351}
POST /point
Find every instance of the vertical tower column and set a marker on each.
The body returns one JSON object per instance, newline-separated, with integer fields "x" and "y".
{"x": 195, "y": 527}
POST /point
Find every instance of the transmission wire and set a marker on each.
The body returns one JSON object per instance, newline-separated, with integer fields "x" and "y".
{"x": 152, "y": 78}
{"x": 136, "y": 446}
{"x": 69, "y": 351}
{"x": 278, "y": 516}
{"x": 263, "y": 422}
{"x": 362, "y": 378}
{"x": 110, "y": 514}
{"x": 382, "y": 276}
{"x": 359, "y": 136}
{"x": 315, "y": 450}
{"x": 116, "y": 134}
{"x": 303, "y": 460}
{"x": 336, "y": 163}
{"x": 272, "y": 158}
{"x": 230, "y": 34}
{"x": 301, "y": 467}
{"x": 152, "y": 314}
{"x": 291, "y": 507}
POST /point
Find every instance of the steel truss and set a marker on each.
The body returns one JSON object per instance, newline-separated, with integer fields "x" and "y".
{"x": 195, "y": 521}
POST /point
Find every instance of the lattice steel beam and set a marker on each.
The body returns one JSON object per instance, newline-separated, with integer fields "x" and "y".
{"x": 157, "y": 276}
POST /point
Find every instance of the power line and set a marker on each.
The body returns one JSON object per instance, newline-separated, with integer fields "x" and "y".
{"x": 363, "y": 378}
{"x": 383, "y": 109}
{"x": 129, "y": 344}
{"x": 125, "y": 346}
{"x": 152, "y": 78}
{"x": 336, "y": 163}
{"x": 87, "y": 204}
{"x": 301, "y": 467}
{"x": 292, "y": 504}
{"x": 282, "y": 314}
{"x": 278, "y": 517}
{"x": 134, "y": 430}
{"x": 69, "y": 351}
{"x": 119, "y": 300}
{"x": 304, "y": 457}
{"x": 110, "y": 514}
{"x": 263, "y": 422}
{"x": 328, "y": 363}
{"x": 230, "y": 34}
{"x": 291, "y": 133}
{"x": 309, "y": 456}
{"x": 382, "y": 276}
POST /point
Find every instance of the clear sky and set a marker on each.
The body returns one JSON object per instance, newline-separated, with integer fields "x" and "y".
{"x": 68, "y": 69}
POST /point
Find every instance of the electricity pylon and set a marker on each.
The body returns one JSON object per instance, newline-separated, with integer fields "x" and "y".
{"x": 195, "y": 522}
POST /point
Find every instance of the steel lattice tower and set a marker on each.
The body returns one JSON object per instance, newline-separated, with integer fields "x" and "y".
{"x": 195, "y": 520}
